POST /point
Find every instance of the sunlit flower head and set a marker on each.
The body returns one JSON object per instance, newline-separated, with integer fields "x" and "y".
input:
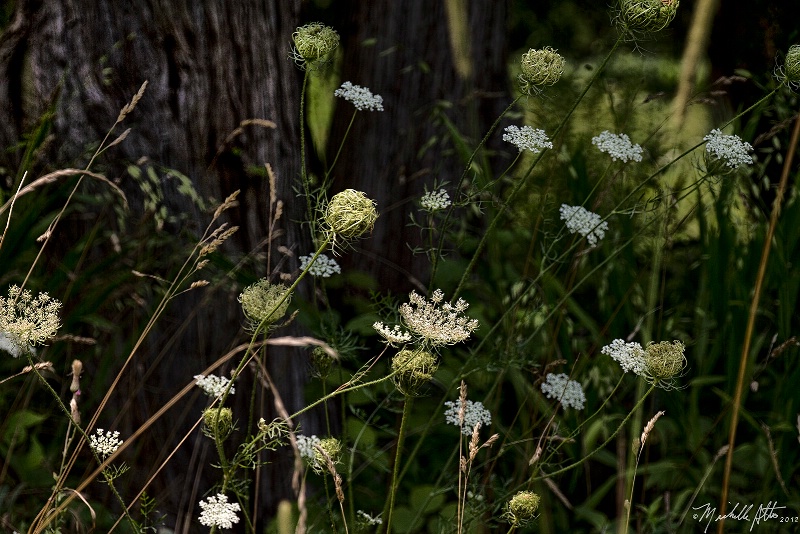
{"x": 313, "y": 44}
{"x": 474, "y": 413}
{"x": 527, "y": 138}
{"x": 521, "y": 509}
{"x": 435, "y": 200}
{"x": 724, "y": 153}
{"x": 323, "y": 266}
{"x": 104, "y": 444}
{"x": 540, "y": 68}
{"x": 27, "y": 321}
{"x": 568, "y": 392}
{"x": 264, "y": 303}
{"x": 213, "y": 385}
{"x": 393, "y": 335}
{"x": 218, "y": 512}
{"x": 361, "y": 97}
{"x": 630, "y": 356}
{"x": 639, "y": 18}
{"x": 437, "y": 322}
{"x": 618, "y": 146}
{"x": 789, "y": 72}
{"x": 581, "y": 221}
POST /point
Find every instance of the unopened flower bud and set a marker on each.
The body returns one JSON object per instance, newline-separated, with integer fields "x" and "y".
{"x": 414, "y": 368}
{"x": 540, "y": 67}
{"x": 350, "y": 214}
{"x": 789, "y": 73}
{"x": 522, "y": 507}
{"x": 313, "y": 42}
{"x": 219, "y": 422}
{"x": 642, "y": 17}
{"x": 664, "y": 361}
{"x": 264, "y": 303}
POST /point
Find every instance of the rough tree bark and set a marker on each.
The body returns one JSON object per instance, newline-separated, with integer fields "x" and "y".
{"x": 210, "y": 65}
{"x": 424, "y": 58}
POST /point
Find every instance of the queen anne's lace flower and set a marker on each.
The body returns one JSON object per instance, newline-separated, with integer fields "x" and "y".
{"x": 395, "y": 335}
{"x": 361, "y": 97}
{"x": 729, "y": 149}
{"x": 213, "y": 385}
{"x": 568, "y": 392}
{"x": 26, "y": 320}
{"x": 437, "y": 322}
{"x": 306, "y": 444}
{"x": 218, "y": 512}
{"x": 630, "y": 356}
{"x": 527, "y": 138}
{"x": 521, "y": 509}
{"x": 323, "y": 266}
{"x": 474, "y": 413}
{"x": 367, "y": 519}
{"x": 435, "y": 200}
{"x": 618, "y": 146}
{"x": 105, "y": 444}
{"x": 582, "y": 221}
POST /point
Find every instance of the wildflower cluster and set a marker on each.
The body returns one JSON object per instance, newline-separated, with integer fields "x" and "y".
{"x": 305, "y": 445}
{"x": 413, "y": 369}
{"x": 218, "y": 512}
{"x": 582, "y": 221}
{"x": 213, "y": 385}
{"x": 630, "y": 356}
{"x": 394, "y": 335}
{"x": 309, "y": 446}
{"x": 437, "y": 322}
{"x": 540, "y": 67}
{"x": 323, "y": 266}
{"x": 618, "y": 146}
{"x": 367, "y": 520}
{"x": 105, "y": 444}
{"x": 568, "y": 392}
{"x": 350, "y": 214}
{"x": 474, "y": 413}
{"x": 25, "y": 320}
{"x": 435, "y": 200}
{"x": 642, "y": 17}
{"x": 725, "y": 153}
{"x": 361, "y": 97}
{"x": 218, "y": 422}
{"x": 527, "y": 138}
{"x": 263, "y": 302}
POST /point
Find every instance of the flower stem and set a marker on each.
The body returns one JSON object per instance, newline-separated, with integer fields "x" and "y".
{"x": 395, "y": 469}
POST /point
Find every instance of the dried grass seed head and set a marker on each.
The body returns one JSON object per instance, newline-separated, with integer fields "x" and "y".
{"x": 414, "y": 368}
{"x": 350, "y": 214}
{"x": 540, "y": 67}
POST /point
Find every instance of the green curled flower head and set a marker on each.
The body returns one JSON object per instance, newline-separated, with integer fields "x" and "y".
{"x": 350, "y": 214}
{"x": 218, "y": 422}
{"x": 264, "y": 303}
{"x": 643, "y": 17}
{"x": 414, "y": 369}
{"x": 664, "y": 362}
{"x": 789, "y": 72}
{"x": 521, "y": 509}
{"x": 321, "y": 362}
{"x": 313, "y": 43}
{"x": 333, "y": 448}
{"x": 540, "y": 67}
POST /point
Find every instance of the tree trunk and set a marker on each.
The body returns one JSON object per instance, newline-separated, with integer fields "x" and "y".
{"x": 432, "y": 62}
{"x": 210, "y": 65}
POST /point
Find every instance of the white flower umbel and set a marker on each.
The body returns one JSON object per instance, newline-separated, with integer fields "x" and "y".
{"x": 435, "y": 200}
{"x": 527, "y": 138}
{"x": 367, "y": 519}
{"x": 361, "y": 97}
{"x": 729, "y": 149}
{"x": 213, "y": 385}
{"x": 618, "y": 146}
{"x": 582, "y": 221}
{"x": 568, "y": 392}
{"x": 323, "y": 266}
{"x": 218, "y": 512}
{"x": 105, "y": 444}
{"x": 306, "y": 444}
{"x": 26, "y": 320}
{"x": 394, "y": 336}
{"x": 630, "y": 356}
{"x": 437, "y": 322}
{"x": 474, "y": 413}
